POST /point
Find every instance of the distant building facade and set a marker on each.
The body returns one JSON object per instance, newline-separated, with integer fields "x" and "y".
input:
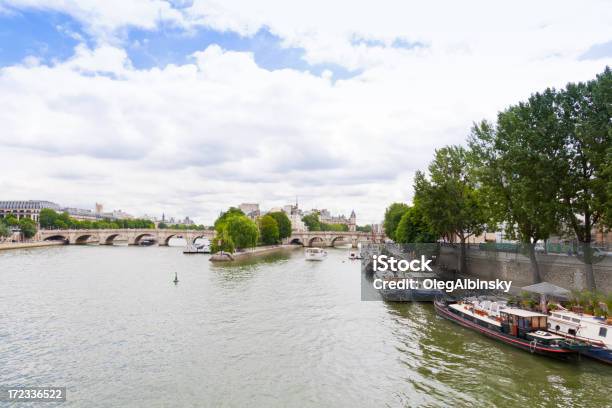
{"x": 26, "y": 209}
{"x": 251, "y": 210}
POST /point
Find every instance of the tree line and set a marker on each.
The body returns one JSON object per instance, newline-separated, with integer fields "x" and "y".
{"x": 26, "y": 226}
{"x": 542, "y": 168}
{"x": 235, "y": 231}
{"x": 51, "y": 219}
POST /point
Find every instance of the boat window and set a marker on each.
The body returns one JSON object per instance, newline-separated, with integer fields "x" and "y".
{"x": 603, "y": 331}
{"x": 575, "y": 320}
{"x": 571, "y": 332}
{"x": 557, "y": 315}
{"x": 566, "y": 318}
{"x": 557, "y": 328}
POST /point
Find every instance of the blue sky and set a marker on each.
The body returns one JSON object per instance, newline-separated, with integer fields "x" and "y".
{"x": 186, "y": 107}
{"x": 51, "y": 36}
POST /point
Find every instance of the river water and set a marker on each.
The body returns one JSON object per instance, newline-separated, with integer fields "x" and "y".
{"x": 109, "y": 324}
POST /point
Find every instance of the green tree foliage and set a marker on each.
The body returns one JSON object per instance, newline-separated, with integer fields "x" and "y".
{"x": 234, "y": 230}
{"x": 312, "y": 221}
{"x": 450, "y": 201}
{"x": 284, "y": 224}
{"x": 162, "y": 225}
{"x": 5, "y": 231}
{"x": 413, "y": 227}
{"x": 50, "y": 219}
{"x": 393, "y": 215}
{"x": 515, "y": 164}
{"x": 585, "y": 110}
{"x": 243, "y": 231}
{"x": 364, "y": 228}
{"x": 334, "y": 227}
{"x": 222, "y": 242}
{"x": 232, "y": 211}
{"x": 269, "y": 230}
{"x": 11, "y": 220}
{"x": 27, "y": 227}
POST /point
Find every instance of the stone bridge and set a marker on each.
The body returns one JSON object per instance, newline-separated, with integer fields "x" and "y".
{"x": 132, "y": 236}
{"x": 333, "y": 238}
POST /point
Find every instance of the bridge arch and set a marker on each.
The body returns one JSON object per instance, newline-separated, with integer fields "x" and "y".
{"x": 110, "y": 239}
{"x": 57, "y": 237}
{"x": 82, "y": 239}
{"x": 341, "y": 240}
{"x": 139, "y": 237}
{"x": 167, "y": 238}
{"x": 316, "y": 241}
{"x": 296, "y": 241}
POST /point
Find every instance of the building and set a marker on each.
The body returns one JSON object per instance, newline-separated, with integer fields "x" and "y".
{"x": 251, "y": 210}
{"x": 26, "y": 209}
{"x": 326, "y": 217}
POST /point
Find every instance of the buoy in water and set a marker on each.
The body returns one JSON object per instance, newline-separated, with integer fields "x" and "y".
{"x": 176, "y": 278}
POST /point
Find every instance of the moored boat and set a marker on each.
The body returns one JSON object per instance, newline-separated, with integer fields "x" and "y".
{"x": 596, "y": 332}
{"x": 520, "y": 328}
{"x": 315, "y": 254}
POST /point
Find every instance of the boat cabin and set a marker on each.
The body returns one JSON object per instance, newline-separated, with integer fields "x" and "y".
{"x": 519, "y": 322}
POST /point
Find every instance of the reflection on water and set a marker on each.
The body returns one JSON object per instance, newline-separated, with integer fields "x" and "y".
{"x": 108, "y": 323}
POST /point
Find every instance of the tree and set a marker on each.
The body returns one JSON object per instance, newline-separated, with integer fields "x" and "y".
{"x": 515, "y": 165}
{"x": 284, "y": 224}
{"x": 393, "y": 215}
{"x": 162, "y": 225}
{"x": 27, "y": 227}
{"x": 47, "y": 218}
{"x": 450, "y": 201}
{"x": 586, "y": 115}
{"x": 232, "y": 211}
{"x": 222, "y": 242}
{"x": 364, "y": 228}
{"x": 312, "y": 221}
{"x": 268, "y": 230}
{"x": 234, "y": 229}
{"x": 413, "y": 227}
{"x": 11, "y": 220}
{"x": 243, "y": 231}
{"x": 5, "y": 231}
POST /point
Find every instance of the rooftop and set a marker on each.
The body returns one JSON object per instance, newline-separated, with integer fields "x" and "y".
{"x": 522, "y": 313}
{"x": 28, "y": 205}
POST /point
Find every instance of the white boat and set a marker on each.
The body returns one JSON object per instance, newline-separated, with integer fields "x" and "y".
{"x": 593, "y": 330}
{"x": 354, "y": 255}
{"x": 315, "y": 254}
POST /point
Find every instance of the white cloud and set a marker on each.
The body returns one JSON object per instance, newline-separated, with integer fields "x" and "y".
{"x": 193, "y": 139}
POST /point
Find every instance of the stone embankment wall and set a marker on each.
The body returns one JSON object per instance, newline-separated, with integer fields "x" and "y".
{"x": 562, "y": 270}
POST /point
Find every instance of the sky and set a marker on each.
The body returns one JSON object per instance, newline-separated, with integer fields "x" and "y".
{"x": 188, "y": 107}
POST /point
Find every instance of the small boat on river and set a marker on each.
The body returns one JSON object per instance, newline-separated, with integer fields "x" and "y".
{"x": 315, "y": 254}
{"x": 520, "y": 328}
{"x": 354, "y": 255}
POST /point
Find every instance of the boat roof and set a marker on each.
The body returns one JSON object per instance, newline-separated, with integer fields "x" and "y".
{"x": 582, "y": 317}
{"x": 522, "y": 312}
{"x": 463, "y": 309}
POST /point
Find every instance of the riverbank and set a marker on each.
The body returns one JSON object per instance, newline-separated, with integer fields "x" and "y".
{"x": 22, "y": 245}
{"x": 252, "y": 253}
